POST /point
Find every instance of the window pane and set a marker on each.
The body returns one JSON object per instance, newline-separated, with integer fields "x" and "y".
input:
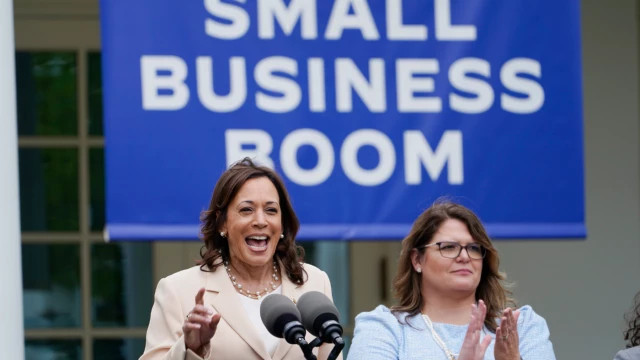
{"x": 51, "y": 283}
{"x": 48, "y": 189}
{"x": 95, "y": 94}
{"x": 53, "y": 349}
{"x": 309, "y": 251}
{"x": 97, "y": 206}
{"x": 122, "y": 284}
{"x": 333, "y": 258}
{"x": 46, "y": 93}
{"x": 118, "y": 349}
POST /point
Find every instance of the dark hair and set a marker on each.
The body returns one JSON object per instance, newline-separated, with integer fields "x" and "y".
{"x": 216, "y": 247}
{"x": 407, "y": 284}
{"x": 632, "y": 334}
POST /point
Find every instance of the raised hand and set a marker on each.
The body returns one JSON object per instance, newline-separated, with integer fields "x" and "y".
{"x": 199, "y": 326}
{"x": 472, "y": 347}
{"x": 507, "y": 341}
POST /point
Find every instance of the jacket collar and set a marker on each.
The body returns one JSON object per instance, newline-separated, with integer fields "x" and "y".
{"x": 224, "y": 298}
{"x": 292, "y": 291}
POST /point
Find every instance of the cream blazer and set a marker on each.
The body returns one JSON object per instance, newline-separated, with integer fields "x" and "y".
{"x": 236, "y": 337}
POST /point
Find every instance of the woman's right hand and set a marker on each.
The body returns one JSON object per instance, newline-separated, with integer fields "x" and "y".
{"x": 200, "y": 326}
{"x": 472, "y": 347}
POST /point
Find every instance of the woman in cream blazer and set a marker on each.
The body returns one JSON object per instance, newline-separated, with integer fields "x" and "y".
{"x": 236, "y": 337}
{"x": 211, "y": 311}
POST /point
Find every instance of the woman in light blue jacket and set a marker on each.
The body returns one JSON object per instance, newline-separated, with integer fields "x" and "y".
{"x": 447, "y": 264}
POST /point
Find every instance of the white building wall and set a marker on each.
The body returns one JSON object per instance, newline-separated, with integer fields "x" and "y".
{"x": 11, "y": 328}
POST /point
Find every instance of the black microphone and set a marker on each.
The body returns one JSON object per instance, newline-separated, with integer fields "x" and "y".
{"x": 282, "y": 319}
{"x": 321, "y": 318}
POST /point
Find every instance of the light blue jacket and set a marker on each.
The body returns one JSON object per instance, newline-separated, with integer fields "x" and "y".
{"x": 628, "y": 354}
{"x": 379, "y": 335}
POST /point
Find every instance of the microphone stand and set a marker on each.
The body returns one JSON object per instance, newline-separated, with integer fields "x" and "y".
{"x": 295, "y": 331}
{"x": 338, "y": 345}
{"x": 337, "y": 348}
{"x": 316, "y": 342}
{"x": 334, "y": 330}
{"x": 306, "y": 348}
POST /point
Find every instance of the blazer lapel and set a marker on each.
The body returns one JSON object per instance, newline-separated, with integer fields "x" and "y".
{"x": 224, "y": 299}
{"x": 293, "y": 292}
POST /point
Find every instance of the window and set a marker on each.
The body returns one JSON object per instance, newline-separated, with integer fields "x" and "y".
{"x": 83, "y": 298}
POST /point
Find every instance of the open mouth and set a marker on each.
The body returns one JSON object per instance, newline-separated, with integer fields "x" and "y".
{"x": 257, "y": 242}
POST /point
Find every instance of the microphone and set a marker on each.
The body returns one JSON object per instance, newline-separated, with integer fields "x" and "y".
{"x": 282, "y": 319}
{"x": 321, "y": 318}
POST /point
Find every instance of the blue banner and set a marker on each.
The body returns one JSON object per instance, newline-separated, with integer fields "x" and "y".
{"x": 370, "y": 111}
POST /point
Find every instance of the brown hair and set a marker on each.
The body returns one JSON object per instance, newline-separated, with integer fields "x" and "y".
{"x": 407, "y": 284}
{"x": 632, "y": 334}
{"x": 216, "y": 248}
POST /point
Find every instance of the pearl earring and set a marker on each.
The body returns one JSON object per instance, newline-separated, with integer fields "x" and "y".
{"x": 419, "y": 270}
{"x": 223, "y": 234}
{"x": 281, "y": 236}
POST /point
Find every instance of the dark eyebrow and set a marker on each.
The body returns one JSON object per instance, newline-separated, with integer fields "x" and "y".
{"x": 458, "y": 242}
{"x": 253, "y": 202}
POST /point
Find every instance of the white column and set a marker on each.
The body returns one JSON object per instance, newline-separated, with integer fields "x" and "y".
{"x": 11, "y": 328}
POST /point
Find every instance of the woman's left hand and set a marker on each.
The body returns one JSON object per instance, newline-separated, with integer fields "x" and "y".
{"x": 507, "y": 342}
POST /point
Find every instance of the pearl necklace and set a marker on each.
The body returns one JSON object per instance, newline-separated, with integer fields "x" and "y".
{"x": 450, "y": 355}
{"x": 248, "y": 293}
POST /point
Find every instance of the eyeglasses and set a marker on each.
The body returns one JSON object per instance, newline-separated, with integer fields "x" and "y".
{"x": 452, "y": 250}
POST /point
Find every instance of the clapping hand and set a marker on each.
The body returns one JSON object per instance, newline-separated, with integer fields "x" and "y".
{"x": 199, "y": 326}
{"x": 507, "y": 341}
{"x": 472, "y": 347}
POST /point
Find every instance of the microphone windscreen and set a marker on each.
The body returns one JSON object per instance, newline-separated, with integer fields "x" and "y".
{"x": 316, "y": 308}
{"x": 276, "y": 311}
